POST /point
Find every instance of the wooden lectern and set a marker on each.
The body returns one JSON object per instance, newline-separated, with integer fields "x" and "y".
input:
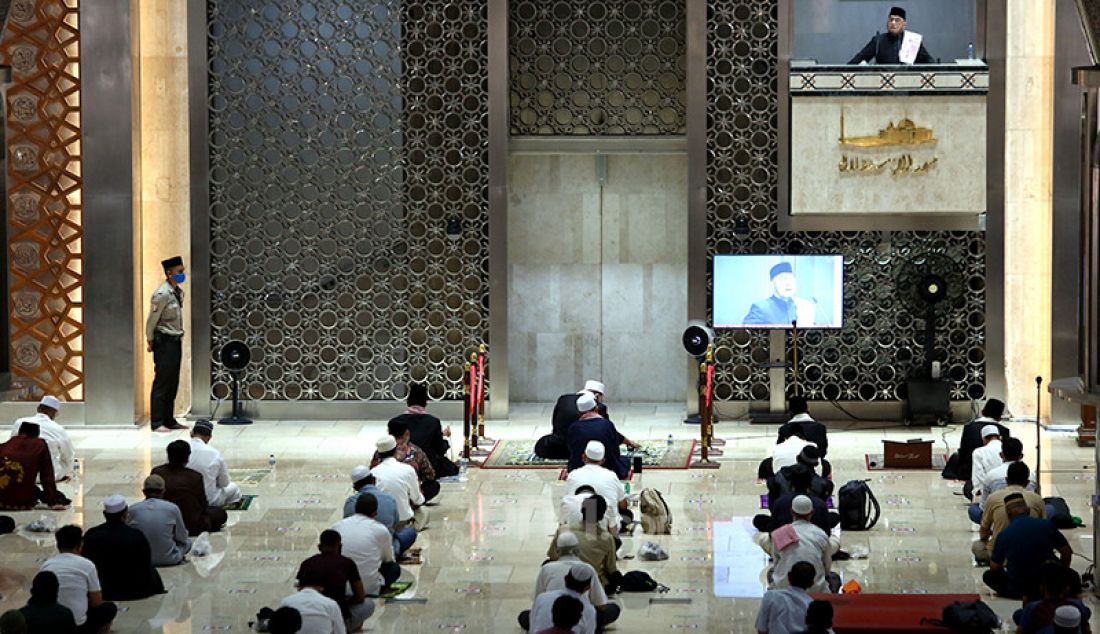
{"x": 914, "y": 454}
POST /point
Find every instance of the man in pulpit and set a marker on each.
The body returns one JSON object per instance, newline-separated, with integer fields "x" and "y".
{"x": 896, "y": 45}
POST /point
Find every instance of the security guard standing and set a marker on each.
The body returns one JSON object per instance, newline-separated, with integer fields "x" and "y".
{"x": 164, "y": 338}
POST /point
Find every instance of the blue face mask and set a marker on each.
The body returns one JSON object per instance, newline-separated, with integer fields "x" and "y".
{"x": 179, "y": 278}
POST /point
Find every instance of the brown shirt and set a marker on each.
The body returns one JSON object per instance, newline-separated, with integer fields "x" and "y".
{"x": 994, "y": 517}
{"x": 23, "y": 460}
{"x": 594, "y": 547}
{"x": 184, "y": 487}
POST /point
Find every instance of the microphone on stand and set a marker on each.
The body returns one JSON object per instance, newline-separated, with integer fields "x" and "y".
{"x": 1038, "y": 432}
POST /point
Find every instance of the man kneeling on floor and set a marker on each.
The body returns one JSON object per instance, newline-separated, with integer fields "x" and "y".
{"x": 552, "y": 577}
{"x": 801, "y": 541}
{"x": 577, "y": 583}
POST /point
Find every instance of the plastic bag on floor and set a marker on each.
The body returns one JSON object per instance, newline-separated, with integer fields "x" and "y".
{"x": 44, "y": 524}
{"x": 201, "y": 546}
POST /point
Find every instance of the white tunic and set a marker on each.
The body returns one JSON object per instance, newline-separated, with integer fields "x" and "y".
{"x": 400, "y": 481}
{"x": 320, "y": 614}
{"x": 57, "y": 439}
{"x": 215, "y": 475}
{"x": 76, "y": 577}
{"x": 369, "y": 544}
{"x": 542, "y": 617}
{"x": 985, "y": 459}
{"x": 605, "y": 482}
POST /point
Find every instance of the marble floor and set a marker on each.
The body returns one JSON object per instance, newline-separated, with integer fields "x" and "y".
{"x": 489, "y": 534}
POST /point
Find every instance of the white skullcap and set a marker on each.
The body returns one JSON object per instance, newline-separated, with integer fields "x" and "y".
{"x": 990, "y": 430}
{"x": 50, "y": 402}
{"x": 359, "y": 472}
{"x": 592, "y": 385}
{"x": 802, "y": 505}
{"x": 594, "y": 450}
{"x": 567, "y": 540}
{"x": 114, "y": 504}
{"x": 386, "y": 443}
{"x": 586, "y": 402}
{"x": 1067, "y": 616}
{"x": 581, "y": 572}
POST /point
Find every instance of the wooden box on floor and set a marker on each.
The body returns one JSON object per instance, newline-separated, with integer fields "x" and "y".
{"x": 914, "y": 454}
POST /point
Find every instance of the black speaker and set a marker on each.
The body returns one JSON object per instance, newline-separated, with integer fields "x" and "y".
{"x": 928, "y": 399}
{"x": 697, "y": 336}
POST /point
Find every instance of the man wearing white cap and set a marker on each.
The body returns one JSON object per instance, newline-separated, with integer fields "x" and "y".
{"x": 57, "y": 439}
{"x": 577, "y": 583}
{"x": 121, "y": 555}
{"x": 552, "y": 577}
{"x": 985, "y": 458}
{"x": 399, "y": 480}
{"x": 553, "y": 446}
{"x": 1067, "y": 620}
{"x": 799, "y": 541}
{"x": 603, "y": 481}
{"x": 208, "y": 461}
{"x": 591, "y": 426}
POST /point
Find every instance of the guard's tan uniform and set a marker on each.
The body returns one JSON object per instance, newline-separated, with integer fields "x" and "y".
{"x": 164, "y": 330}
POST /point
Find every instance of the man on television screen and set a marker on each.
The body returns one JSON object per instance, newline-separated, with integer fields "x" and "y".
{"x": 896, "y": 45}
{"x": 782, "y": 307}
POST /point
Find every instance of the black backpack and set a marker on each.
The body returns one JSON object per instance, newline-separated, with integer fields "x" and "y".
{"x": 639, "y": 581}
{"x": 970, "y": 618}
{"x": 859, "y": 510}
{"x": 1061, "y": 518}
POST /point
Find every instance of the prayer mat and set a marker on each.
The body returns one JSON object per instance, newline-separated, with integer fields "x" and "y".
{"x": 764, "y": 502}
{"x": 656, "y": 454}
{"x": 874, "y": 463}
{"x": 395, "y": 589}
{"x": 248, "y": 477}
{"x": 241, "y": 504}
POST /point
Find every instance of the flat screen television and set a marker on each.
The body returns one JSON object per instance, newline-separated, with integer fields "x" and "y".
{"x": 771, "y": 291}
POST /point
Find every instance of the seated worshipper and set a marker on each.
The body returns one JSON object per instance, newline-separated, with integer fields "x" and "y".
{"x": 1012, "y": 452}
{"x": 591, "y": 426}
{"x": 79, "y": 583}
{"x": 819, "y": 618}
{"x": 337, "y": 575}
{"x": 566, "y": 613}
{"x": 319, "y": 614}
{"x": 362, "y": 480}
{"x": 365, "y": 541}
{"x": 1021, "y": 550}
{"x": 43, "y": 613}
{"x": 552, "y": 577}
{"x": 413, "y": 456}
{"x": 400, "y": 481}
{"x": 807, "y": 459}
{"x": 285, "y": 620}
{"x": 995, "y": 518}
{"x": 985, "y": 459}
{"x": 800, "y": 541}
{"x": 801, "y": 477}
{"x": 555, "y": 445}
{"x": 569, "y": 512}
{"x": 812, "y": 431}
{"x": 121, "y": 556}
{"x": 23, "y": 460}
{"x": 162, "y": 524}
{"x": 426, "y": 432}
{"x": 595, "y": 545}
{"x": 186, "y": 489}
{"x": 1041, "y": 615}
{"x": 960, "y": 464}
{"x": 577, "y": 583}
{"x": 783, "y": 609}
{"x": 57, "y": 439}
{"x": 786, "y": 452}
{"x": 220, "y": 492}
{"x": 12, "y": 622}
{"x": 604, "y": 482}
{"x": 896, "y": 45}
{"x": 1070, "y": 619}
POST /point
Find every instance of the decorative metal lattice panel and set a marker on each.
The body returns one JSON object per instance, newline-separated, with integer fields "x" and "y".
{"x": 601, "y": 67}
{"x": 344, "y": 139}
{"x": 880, "y": 344}
{"x": 41, "y": 43}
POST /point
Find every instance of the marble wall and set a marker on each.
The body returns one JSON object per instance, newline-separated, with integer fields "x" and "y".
{"x": 597, "y": 290}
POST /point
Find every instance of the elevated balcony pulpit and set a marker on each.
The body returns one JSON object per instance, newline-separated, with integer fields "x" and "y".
{"x": 874, "y": 139}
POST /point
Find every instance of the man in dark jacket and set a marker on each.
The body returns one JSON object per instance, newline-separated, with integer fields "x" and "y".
{"x": 185, "y": 488}
{"x": 896, "y": 45}
{"x": 961, "y": 464}
{"x": 591, "y": 426}
{"x": 23, "y": 460}
{"x": 121, "y": 556}
{"x": 426, "y": 432}
{"x": 554, "y": 446}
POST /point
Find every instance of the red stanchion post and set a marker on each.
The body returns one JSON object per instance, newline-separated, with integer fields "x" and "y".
{"x": 706, "y": 413}
{"x": 482, "y": 363}
{"x": 467, "y": 397}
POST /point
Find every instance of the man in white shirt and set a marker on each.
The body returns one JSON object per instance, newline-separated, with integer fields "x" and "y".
{"x": 577, "y": 583}
{"x": 369, "y": 544}
{"x": 400, "y": 481}
{"x": 604, "y": 482}
{"x": 783, "y": 610}
{"x": 552, "y": 577}
{"x": 220, "y": 492}
{"x": 320, "y": 614}
{"x": 786, "y": 453}
{"x": 57, "y": 439}
{"x": 78, "y": 582}
{"x": 569, "y": 511}
{"x": 986, "y": 458}
{"x": 812, "y": 545}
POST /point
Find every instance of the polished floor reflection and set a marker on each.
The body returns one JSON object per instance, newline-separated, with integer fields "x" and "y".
{"x": 489, "y": 534}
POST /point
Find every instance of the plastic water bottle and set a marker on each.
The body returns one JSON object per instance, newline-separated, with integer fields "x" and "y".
{"x": 76, "y": 466}
{"x": 463, "y": 465}
{"x": 271, "y": 460}
{"x": 970, "y": 51}
{"x": 670, "y": 441}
